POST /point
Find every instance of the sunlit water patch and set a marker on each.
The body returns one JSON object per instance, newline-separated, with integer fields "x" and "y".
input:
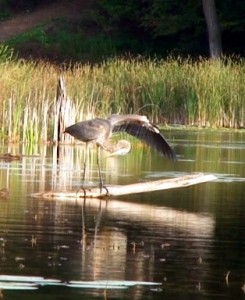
{"x": 171, "y": 244}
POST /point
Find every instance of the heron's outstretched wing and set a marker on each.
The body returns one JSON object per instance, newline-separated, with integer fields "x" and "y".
{"x": 149, "y": 134}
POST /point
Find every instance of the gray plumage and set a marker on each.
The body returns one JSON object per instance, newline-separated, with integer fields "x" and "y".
{"x": 99, "y": 130}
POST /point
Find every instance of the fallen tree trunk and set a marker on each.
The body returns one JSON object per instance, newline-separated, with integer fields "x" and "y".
{"x": 118, "y": 190}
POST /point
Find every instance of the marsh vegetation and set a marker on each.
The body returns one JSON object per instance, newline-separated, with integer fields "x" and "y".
{"x": 199, "y": 92}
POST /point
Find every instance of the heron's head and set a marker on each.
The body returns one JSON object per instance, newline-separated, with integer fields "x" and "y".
{"x": 121, "y": 148}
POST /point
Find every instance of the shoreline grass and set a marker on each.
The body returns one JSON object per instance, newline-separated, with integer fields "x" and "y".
{"x": 205, "y": 93}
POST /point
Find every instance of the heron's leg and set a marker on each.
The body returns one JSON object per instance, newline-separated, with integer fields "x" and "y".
{"x": 98, "y": 163}
{"x": 101, "y": 180}
{"x": 85, "y": 163}
{"x": 84, "y": 173}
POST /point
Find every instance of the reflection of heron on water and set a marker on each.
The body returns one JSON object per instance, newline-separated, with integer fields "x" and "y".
{"x": 111, "y": 240}
{"x": 98, "y": 131}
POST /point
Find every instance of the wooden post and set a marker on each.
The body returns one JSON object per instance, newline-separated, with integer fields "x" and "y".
{"x": 60, "y": 98}
{"x": 64, "y": 114}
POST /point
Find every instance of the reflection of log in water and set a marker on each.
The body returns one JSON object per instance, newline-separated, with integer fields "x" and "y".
{"x": 111, "y": 249}
{"x": 196, "y": 224}
{"x": 135, "y": 188}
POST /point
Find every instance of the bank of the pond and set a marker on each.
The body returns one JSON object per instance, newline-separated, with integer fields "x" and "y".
{"x": 206, "y": 93}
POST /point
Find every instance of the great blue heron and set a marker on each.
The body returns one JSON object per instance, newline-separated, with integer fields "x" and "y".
{"x": 98, "y": 131}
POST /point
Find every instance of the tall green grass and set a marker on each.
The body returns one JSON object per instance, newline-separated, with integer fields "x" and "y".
{"x": 182, "y": 91}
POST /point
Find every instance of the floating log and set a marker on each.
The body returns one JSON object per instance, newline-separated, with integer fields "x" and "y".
{"x": 118, "y": 190}
{"x": 9, "y": 157}
{"x": 4, "y": 193}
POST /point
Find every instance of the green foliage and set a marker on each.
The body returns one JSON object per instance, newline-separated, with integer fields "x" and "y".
{"x": 63, "y": 41}
{"x": 159, "y": 26}
{"x": 148, "y": 27}
{"x": 6, "y": 53}
{"x": 176, "y": 27}
{"x": 165, "y": 18}
{"x": 4, "y": 10}
{"x": 231, "y": 15}
{"x": 34, "y": 36}
{"x": 183, "y": 91}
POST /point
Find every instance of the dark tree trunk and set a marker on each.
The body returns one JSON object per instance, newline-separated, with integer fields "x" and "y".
{"x": 214, "y": 35}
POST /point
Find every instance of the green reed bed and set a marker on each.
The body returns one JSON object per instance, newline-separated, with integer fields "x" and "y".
{"x": 203, "y": 93}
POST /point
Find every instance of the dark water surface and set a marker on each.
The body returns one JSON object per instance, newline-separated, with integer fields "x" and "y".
{"x": 173, "y": 244}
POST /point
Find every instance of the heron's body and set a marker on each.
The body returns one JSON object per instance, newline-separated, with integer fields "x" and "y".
{"x": 99, "y": 130}
{"x": 96, "y": 130}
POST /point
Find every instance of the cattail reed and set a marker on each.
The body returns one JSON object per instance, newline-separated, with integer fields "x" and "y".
{"x": 203, "y": 92}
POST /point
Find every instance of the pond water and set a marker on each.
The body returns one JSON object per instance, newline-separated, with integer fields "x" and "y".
{"x": 172, "y": 244}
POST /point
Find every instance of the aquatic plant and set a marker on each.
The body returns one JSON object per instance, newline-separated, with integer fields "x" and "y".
{"x": 202, "y": 92}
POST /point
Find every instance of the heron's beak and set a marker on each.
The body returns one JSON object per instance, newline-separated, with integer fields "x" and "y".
{"x": 119, "y": 152}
